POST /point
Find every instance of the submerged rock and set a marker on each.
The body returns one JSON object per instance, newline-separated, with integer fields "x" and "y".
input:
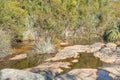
{"x": 79, "y": 74}
{"x": 54, "y": 65}
{"x": 13, "y": 74}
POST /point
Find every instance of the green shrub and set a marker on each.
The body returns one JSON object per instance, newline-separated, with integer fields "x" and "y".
{"x": 5, "y": 44}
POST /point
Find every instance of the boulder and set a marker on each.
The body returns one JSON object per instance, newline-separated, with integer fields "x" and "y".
{"x": 114, "y": 69}
{"x": 106, "y": 55}
{"x": 117, "y": 78}
{"x": 13, "y": 74}
{"x": 51, "y": 72}
{"x": 109, "y": 54}
{"x": 79, "y": 74}
{"x": 55, "y": 66}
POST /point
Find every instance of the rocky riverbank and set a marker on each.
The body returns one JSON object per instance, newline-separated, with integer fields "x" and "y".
{"x": 54, "y": 67}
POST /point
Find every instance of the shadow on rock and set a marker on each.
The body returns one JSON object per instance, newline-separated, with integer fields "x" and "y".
{"x": 67, "y": 77}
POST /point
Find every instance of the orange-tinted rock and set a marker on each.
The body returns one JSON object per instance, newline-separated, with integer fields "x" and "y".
{"x": 64, "y": 44}
{"x": 19, "y": 57}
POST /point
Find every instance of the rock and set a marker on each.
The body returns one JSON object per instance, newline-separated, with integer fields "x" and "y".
{"x": 64, "y": 54}
{"x": 45, "y": 71}
{"x": 111, "y": 45}
{"x": 13, "y": 74}
{"x": 78, "y": 48}
{"x": 112, "y": 75}
{"x": 56, "y": 66}
{"x": 75, "y": 60}
{"x": 107, "y": 54}
{"x": 114, "y": 69}
{"x": 96, "y": 47}
{"x": 64, "y": 44}
{"x": 73, "y": 51}
{"x": 117, "y": 78}
{"x": 79, "y": 74}
{"x": 19, "y": 57}
{"x": 54, "y": 72}
{"x": 87, "y": 48}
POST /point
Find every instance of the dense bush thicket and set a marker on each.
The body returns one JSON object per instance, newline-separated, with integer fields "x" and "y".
{"x": 61, "y": 18}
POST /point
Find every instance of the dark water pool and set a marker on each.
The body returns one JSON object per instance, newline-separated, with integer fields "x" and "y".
{"x": 103, "y": 75}
{"x": 86, "y": 60}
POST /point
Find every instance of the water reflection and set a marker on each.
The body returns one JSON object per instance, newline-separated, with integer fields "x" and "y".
{"x": 30, "y": 61}
{"x": 87, "y": 60}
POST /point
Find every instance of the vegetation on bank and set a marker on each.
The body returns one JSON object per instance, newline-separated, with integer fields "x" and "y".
{"x": 60, "y": 19}
{"x": 5, "y": 44}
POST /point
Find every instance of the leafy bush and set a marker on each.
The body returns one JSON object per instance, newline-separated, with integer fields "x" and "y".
{"x": 5, "y": 44}
{"x": 45, "y": 47}
{"x": 54, "y": 18}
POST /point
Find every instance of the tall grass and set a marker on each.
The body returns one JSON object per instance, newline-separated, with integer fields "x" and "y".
{"x": 5, "y": 43}
{"x": 112, "y": 33}
{"x": 45, "y": 47}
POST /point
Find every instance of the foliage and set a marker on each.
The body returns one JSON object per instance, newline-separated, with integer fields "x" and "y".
{"x": 5, "y": 43}
{"x": 54, "y": 18}
{"x": 12, "y": 16}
